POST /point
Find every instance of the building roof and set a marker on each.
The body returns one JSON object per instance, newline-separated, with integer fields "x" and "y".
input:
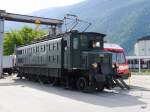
{"x": 144, "y": 38}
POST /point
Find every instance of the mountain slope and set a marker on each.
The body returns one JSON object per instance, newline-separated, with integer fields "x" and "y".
{"x": 124, "y": 21}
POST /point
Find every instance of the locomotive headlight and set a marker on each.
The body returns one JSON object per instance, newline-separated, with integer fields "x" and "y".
{"x": 113, "y": 66}
{"x": 94, "y": 65}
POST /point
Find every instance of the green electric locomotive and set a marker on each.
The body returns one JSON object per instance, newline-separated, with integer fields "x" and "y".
{"x": 74, "y": 59}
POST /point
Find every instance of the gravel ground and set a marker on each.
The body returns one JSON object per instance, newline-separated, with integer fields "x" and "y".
{"x": 24, "y": 96}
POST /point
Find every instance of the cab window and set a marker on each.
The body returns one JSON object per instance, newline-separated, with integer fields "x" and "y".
{"x": 83, "y": 40}
{"x": 94, "y": 44}
{"x": 75, "y": 43}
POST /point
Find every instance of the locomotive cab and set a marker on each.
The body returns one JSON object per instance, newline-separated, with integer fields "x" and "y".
{"x": 77, "y": 43}
{"x": 81, "y": 53}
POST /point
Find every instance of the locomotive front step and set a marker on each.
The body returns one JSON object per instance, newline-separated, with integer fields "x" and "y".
{"x": 121, "y": 83}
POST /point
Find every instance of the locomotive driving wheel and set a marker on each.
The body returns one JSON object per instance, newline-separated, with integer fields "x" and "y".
{"x": 81, "y": 84}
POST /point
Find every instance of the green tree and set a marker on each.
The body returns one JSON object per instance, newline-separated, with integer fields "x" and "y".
{"x": 15, "y": 38}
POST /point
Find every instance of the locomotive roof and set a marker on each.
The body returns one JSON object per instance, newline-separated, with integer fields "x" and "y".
{"x": 50, "y": 37}
{"x": 44, "y": 38}
{"x": 100, "y": 34}
{"x": 77, "y": 32}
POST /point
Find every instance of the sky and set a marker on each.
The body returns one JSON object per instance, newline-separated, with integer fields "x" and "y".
{"x": 28, "y": 6}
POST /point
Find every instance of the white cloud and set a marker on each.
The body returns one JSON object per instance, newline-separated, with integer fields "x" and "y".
{"x": 27, "y": 6}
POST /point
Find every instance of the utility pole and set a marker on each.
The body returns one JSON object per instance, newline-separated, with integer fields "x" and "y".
{"x": 1, "y": 45}
{"x": 139, "y": 64}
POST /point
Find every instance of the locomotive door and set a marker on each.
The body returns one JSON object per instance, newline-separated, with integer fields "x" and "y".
{"x": 76, "y": 53}
{"x": 71, "y": 52}
{"x": 66, "y": 52}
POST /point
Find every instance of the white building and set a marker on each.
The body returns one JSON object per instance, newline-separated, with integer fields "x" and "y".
{"x": 142, "y": 47}
{"x": 141, "y": 60}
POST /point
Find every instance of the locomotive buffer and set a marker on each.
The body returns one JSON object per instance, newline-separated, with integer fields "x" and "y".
{"x": 54, "y": 23}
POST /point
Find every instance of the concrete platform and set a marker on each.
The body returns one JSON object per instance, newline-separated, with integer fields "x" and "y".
{"x": 24, "y": 96}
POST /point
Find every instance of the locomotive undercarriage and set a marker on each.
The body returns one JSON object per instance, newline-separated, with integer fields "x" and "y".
{"x": 84, "y": 81}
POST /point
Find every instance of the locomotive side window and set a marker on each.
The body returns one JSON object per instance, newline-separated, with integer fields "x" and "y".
{"x": 49, "y": 58}
{"x": 37, "y": 49}
{"x": 65, "y": 43}
{"x": 57, "y": 59}
{"x": 57, "y": 46}
{"x": 44, "y": 48}
{"x": 34, "y": 50}
{"x": 84, "y": 40}
{"x": 54, "y": 46}
{"x": 75, "y": 43}
{"x": 41, "y": 49}
{"x": 54, "y": 59}
{"x": 31, "y": 50}
{"x": 49, "y": 47}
